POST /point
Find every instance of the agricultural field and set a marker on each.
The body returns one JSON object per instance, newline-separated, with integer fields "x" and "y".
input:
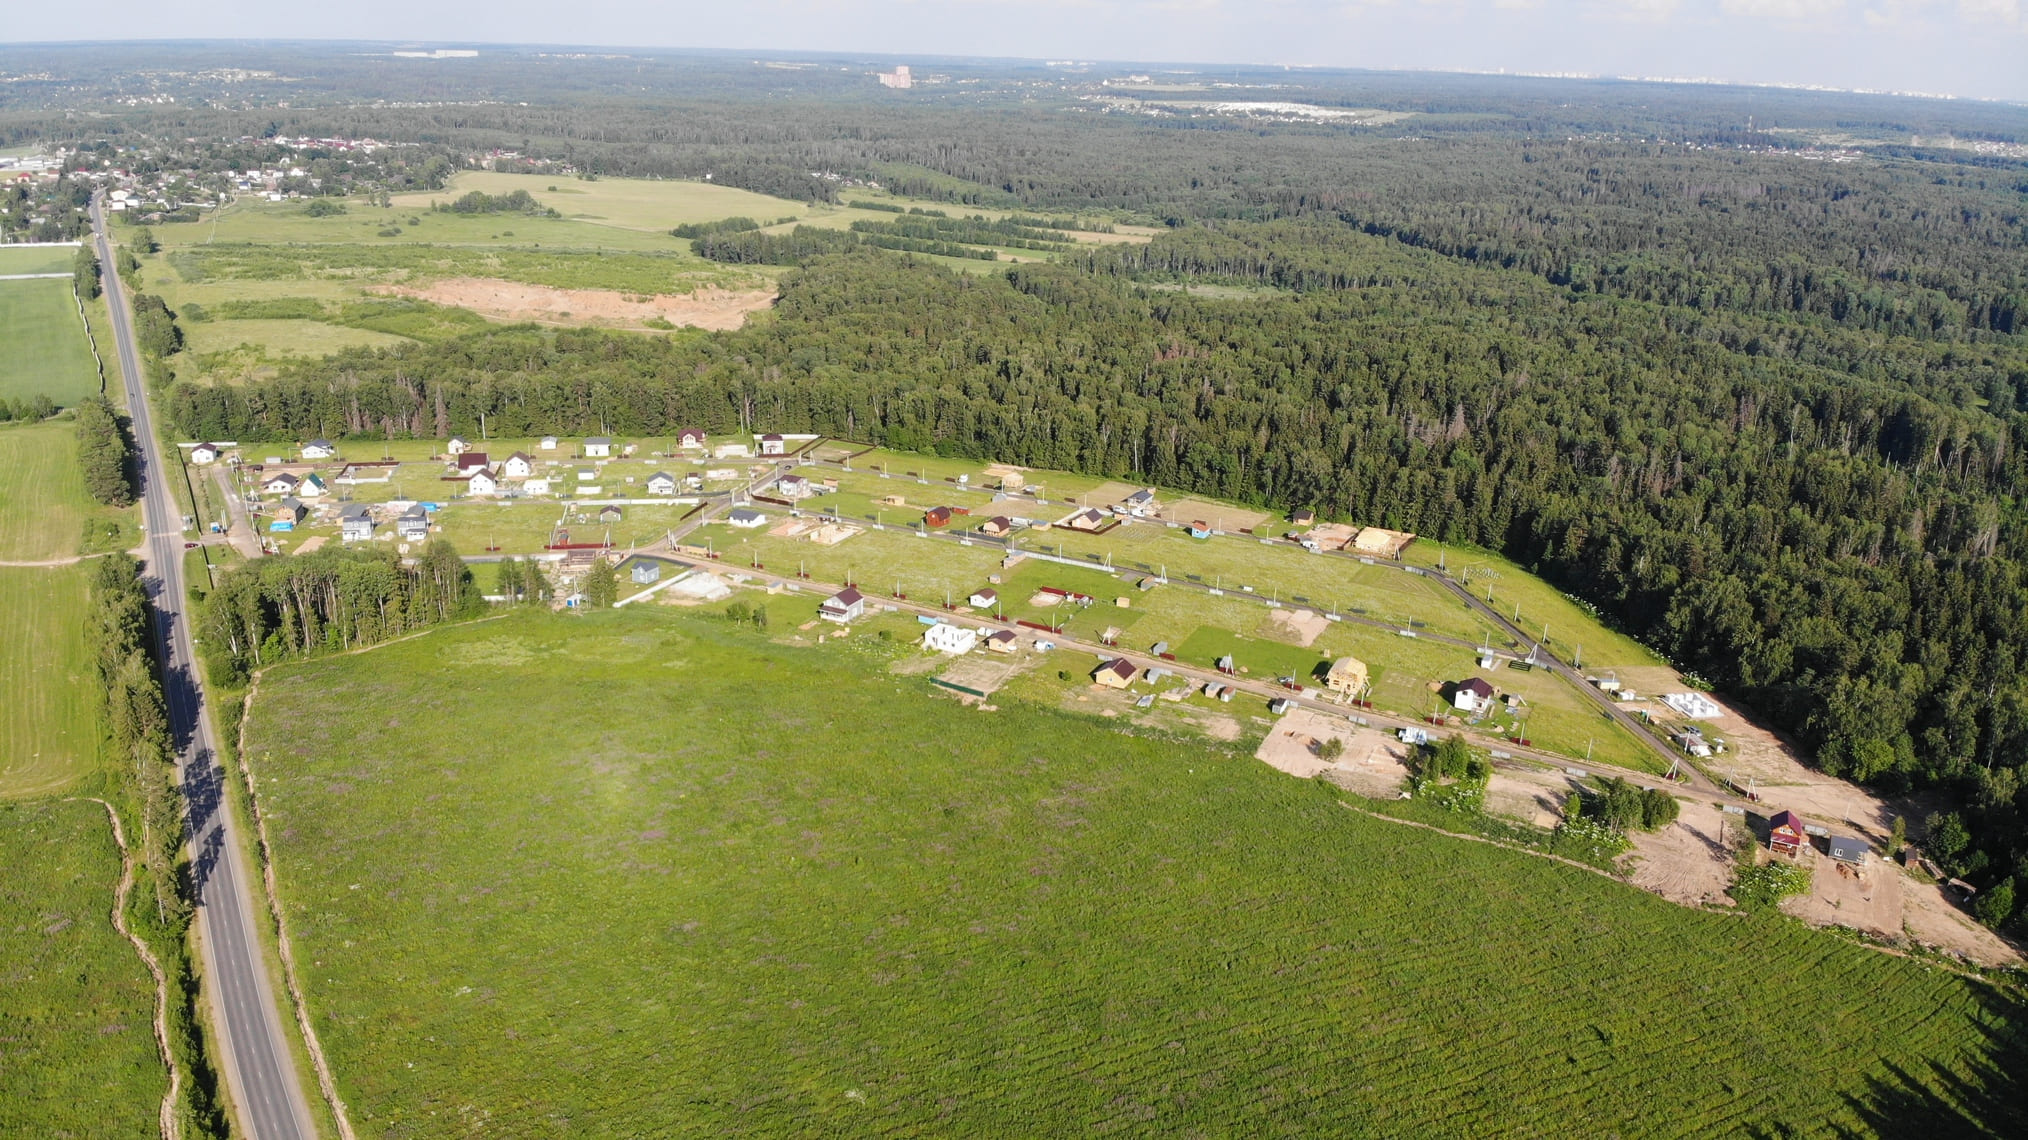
{"x": 77, "y": 1048}
{"x": 15, "y": 259}
{"x": 44, "y": 510}
{"x": 47, "y": 353}
{"x": 50, "y": 735}
{"x": 740, "y": 885}
{"x": 653, "y": 206}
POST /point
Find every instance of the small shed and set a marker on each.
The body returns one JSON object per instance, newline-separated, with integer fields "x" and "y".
{"x": 1200, "y": 529}
{"x": 611, "y": 513}
{"x": 936, "y": 517}
{"x": 548, "y": 443}
{"x": 644, "y": 571}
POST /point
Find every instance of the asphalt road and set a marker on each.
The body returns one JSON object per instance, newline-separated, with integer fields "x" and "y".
{"x": 259, "y": 1072}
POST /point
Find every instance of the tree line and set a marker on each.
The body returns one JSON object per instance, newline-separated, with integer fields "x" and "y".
{"x": 105, "y": 453}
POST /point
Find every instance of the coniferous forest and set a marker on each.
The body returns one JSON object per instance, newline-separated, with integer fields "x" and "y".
{"x": 1747, "y": 370}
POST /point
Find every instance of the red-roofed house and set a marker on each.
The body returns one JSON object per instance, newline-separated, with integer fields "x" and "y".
{"x": 1786, "y": 835}
{"x": 1115, "y": 674}
{"x": 845, "y": 605}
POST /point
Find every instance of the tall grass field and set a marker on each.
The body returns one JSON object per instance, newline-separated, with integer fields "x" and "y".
{"x": 46, "y": 350}
{"x": 77, "y": 1051}
{"x": 644, "y": 873}
{"x": 49, "y": 732}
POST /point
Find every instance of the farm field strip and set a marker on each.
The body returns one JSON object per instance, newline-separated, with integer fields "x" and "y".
{"x": 984, "y": 930}
{"x": 50, "y": 736}
{"x": 16, "y": 259}
{"x": 43, "y": 505}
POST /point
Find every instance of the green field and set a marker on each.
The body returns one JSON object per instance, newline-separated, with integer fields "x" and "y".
{"x": 46, "y": 351}
{"x": 77, "y": 1050}
{"x": 625, "y": 203}
{"x": 718, "y": 885}
{"x": 44, "y": 510}
{"x": 36, "y": 259}
{"x": 50, "y": 735}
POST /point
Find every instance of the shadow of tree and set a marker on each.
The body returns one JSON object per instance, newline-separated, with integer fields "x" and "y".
{"x": 1983, "y": 1097}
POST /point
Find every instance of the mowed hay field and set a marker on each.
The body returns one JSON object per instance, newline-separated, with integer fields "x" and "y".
{"x": 15, "y": 259}
{"x": 77, "y": 1048}
{"x": 44, "y": 509}
{"x": 49, "y": 735}
{"x": 46, "y": 353}
{"x": 627, "y": 203}
{"x": 642, "y": 873}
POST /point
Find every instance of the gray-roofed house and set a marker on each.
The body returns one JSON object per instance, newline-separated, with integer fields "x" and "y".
{"x": 319, "y": 449}
{"x": 355, "y": 522}
{"x": 746, "y": 517}
{"x": 661, "y": 483}
{"x": 413, "y": 524}
{"x": 281, "y": 484}
{"x": 644, "y": 571}
{"x": 598, "y": 447}
{"x": 1846, "y": 849}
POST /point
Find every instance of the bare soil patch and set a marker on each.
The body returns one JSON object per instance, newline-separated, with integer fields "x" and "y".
{"x": 1865, "y": 898}
{"x": 1221, "y": 515}
{"x": 1933, "y": 920}
{"x": 1688, "y": 861}
{"x": 717, "y": 309}
{"x": 1372, "y": 764}
{"x": 1304, "y": 626}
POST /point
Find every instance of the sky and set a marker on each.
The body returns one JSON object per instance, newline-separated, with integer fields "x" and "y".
{"x": 1969, "y": 48}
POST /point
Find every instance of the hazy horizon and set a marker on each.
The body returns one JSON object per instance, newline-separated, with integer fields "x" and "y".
{"x": 1959, "y": 48}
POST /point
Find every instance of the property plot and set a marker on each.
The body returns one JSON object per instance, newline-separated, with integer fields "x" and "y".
{"x": 1015, "y": 884}
{"x": 513, "y": 301}
{"x": 625, "y": 203}
{"x": 49, "y": 736}
{"x": 47, "y": 353}
{"x": 76, "y": 1003}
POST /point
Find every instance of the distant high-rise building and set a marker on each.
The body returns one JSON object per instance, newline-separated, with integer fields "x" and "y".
{"x": 898, "y": 78}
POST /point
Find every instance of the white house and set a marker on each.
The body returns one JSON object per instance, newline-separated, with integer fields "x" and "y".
{"x": 1470, "y": 696}
{"x": 946, "y": 638}
{"x": 482, "y": 482}
{"x": 282, "y": 484}
{"x": 772, "y": 444}
{"x": 661, "y": 483}
{"x": 795, "y": 487}
{"x": 598, "y": 447}
{"x": 548, "y": 443}
{"x": 319, "y": 449}
{"x": 519, "y": 465}
{"x": 746, "y": 518}
{"x": 204, "y": 453}
{"x": 845, "y": 605}
{"x": 984, "y": 599}
{"x": 355, "y": 523}
{"x": 690, "y": 438}
{"x": 311, "y": 487}
{"x": 458, "y": 445}
{"x": 413, "y": 524}
{"x": 535, "y": 487}
{"x": 1141, "y": 503}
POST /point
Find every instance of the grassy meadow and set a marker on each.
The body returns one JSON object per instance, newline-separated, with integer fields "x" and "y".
{"x": 49, "y": 738}
{"x": 46, "y": 350}
{"x": 44, "y": 510}
{"x": 36, "y": 259}
{"x": 77, "y": 1051}
{"x": 707, "y": 884}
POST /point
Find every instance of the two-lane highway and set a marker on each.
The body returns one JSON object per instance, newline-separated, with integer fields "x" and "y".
{"x": 254, "y": 1054}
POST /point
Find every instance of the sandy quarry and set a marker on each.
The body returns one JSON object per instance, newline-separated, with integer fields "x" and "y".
{"x": 716, "y": 309}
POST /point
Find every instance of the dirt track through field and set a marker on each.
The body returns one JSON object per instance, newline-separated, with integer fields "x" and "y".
{"x": 717, "y": 309}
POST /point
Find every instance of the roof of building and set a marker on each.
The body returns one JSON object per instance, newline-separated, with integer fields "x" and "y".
{"x": 742, "y": 514}
{"x": 688, "y": 433}
{"x": 988, "y": 593}
{"x": 1119, "y": 667}
{"x": 1141, "y": 496}
{"x": 1476, "y": 686}
{"x": 521, "y": 455}
{"x": 845, "y": 597}
{"x": 353, "y": 511}
{"x": 1001, "y": 635}
{"x": 771, "y": 437}
{"x": 323, "y": 443}
{"x": 1849, "y": 849}
{"x": 416, "y": 512}
{"x": 290, "y": 504}
{"x": 284, "y": 477}
{"x": 595, "y": 440}
{"x": 1786, "y": 821}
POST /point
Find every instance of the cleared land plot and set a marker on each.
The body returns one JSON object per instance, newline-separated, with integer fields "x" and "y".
{"x": 50, "y": 734}
{"x": 671, "y": 915}
{"x": 44, "y": 510}
{"x": 30, "y": 259}
{"x": 511, "y": 301}
{"x": 626, "y": 203}
{"x": 77, "y": 1047}
{"x": 283, "y": 337}
{"x": 1542, "y": 605}
{"x": 46, "y": 352}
